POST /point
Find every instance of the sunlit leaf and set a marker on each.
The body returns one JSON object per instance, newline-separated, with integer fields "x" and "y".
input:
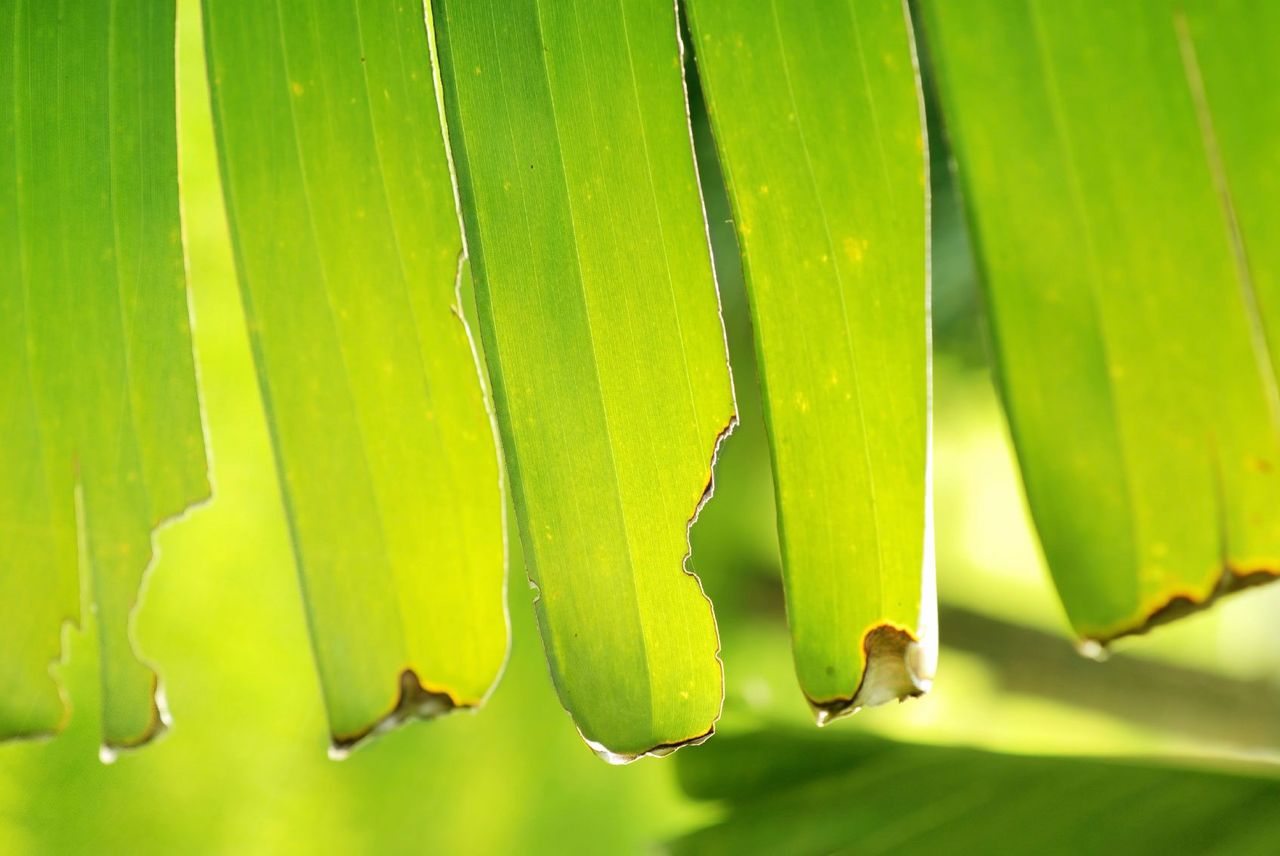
{"x": 599, "y": 316}
{"x": 348, "y": 249}
{"x": 816, "y": 113}
{"x": 100, "y": 437}
{"x": 1121, "y": 163}
{"x": 793, "y": 793}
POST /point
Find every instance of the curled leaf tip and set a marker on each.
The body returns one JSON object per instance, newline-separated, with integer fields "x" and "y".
{"x": 897, "y": 668}
{"x": 662, "y": 750}
{"x": 414, "y": 702}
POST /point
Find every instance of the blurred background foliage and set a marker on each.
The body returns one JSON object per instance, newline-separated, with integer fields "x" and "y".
{"x": 244, "y": 768}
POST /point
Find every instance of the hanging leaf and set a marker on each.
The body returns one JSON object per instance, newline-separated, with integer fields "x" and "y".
{"x": 1121, "y": 164}
{"x": 348, "y": 249}
{"x": 600, "y": 320}
{"x": 816, "y": 112}
{"x": 791, "y": 793}
{"x": 100, "y": 439}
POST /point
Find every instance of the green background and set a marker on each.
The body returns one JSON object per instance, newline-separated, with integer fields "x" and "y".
{"x": 244, "y": 768}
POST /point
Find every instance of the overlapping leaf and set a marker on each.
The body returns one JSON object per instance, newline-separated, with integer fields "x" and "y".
{"x": 100, "y": 437}
{"x": 599, "y": 316}
{"x": 1120, "y": 162}
{"x": 816, "y": 113}
{"x": 791, "y": 793}
{"x": 348, "y": 249}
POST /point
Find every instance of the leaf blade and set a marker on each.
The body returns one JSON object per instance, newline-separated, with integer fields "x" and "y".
{"x": 829, "y": 206}
{"x": 348, "y": 253}
{"x": 1089, "y": 175}
{"x": 792, "y": 793}
{"x": 99, "y": 372}
{"x": 546, "y": 105}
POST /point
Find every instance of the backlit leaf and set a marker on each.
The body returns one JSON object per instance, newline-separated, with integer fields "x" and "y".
{"x": 816, "y": 113}
{"x": 348, "y": 249}
{"x": 100, "y": 437}
{"x": 1121, "y": 163}
{"x": 599, "y": 316}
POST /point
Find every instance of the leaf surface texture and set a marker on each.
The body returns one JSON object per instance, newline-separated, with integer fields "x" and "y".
{"x": 816, "y": 113}
{"x": 100, "y": 438}
{"x": 599, "y": 315}
{"x": 347, "y": 246}
{"x": 1120, "y": 163}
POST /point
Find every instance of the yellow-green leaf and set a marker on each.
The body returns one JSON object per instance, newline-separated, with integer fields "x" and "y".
{"x": 816, "y": 112}
{"x": 100, "y": 437}
{"x": 348, "y": 248}
{"x": 599, "y": 315}
{"x": 1120, "y": 162}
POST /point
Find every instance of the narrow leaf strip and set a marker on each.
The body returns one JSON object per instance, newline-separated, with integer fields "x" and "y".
{"x": 816, "y": 112}
{"x": 348, "y": 247}
{"x": 600, "y": 320}
{"x": 100, "y": 437}
{"x": 1121, "y": 205}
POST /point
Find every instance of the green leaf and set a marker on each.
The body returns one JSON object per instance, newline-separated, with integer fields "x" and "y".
{"x": 348, "y": 249}
{"x": 100, "y": 441}
{"x": 816, "y": 113}
{"x": 599, "y": 315}
{"x": 793, "y": 793}
{"x": 1121, "y": 162}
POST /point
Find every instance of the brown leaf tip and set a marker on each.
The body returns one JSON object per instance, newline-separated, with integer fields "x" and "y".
{"x": 896, "y": 669}
{"x": 662, "y": 750}
{"x": 1179, "y": 606}
{"x": 415, "y": 702}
